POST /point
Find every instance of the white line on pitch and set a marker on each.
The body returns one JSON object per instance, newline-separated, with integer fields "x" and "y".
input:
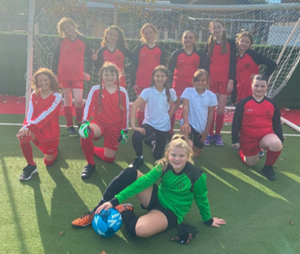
{"x": 64, "y": 126}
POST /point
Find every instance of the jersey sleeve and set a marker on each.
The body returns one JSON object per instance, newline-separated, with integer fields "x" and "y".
{"x": 163, "y": 56}
{"x": 88, "y": 56}
{"x": 38, "y": 122}
{"x": 135, "y": 63}
{"x": 140, "y": 184}
{"x": 261, "y": 59}
{"x": 237, "y": 122}
{"x": 172, "y": 64}
{"x": 232, "y": 61}
{"x": 99, "y": 62}
{"x": 201, "y": 200}
{"x": 56, "y": 56}
{"x": 277, "y": 123}
{"x": 207, "y": 58}
{"x": 173, "y": 96}
{"x": 125, "y": 112}
{"x": 90, "y": 103}
{"x": 202, "y": 61}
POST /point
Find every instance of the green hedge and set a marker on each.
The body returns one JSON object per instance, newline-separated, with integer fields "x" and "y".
{"x": 13, "y": 49}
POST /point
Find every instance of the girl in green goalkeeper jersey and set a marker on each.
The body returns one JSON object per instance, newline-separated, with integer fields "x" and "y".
{"x": 180, "y": 184}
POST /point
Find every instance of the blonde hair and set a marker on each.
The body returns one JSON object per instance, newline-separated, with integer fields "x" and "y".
{"x": 64, "y": 21}
{"x": 53, "y": 83}
{"x": 211, "y": 42}
{"x": 178, "y": 141}
{"x": 146, "y": 26}
{"x": 111, "y": 67}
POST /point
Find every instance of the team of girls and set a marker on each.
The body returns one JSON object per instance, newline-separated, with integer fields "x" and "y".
{"x": 183, "y": 64}
{"x": 108, "y": 104}
{"x": 256, "y": 124}
{"x": 146, "y": 57}
{"x": 113, "y": 49}
{"x": 181, "y": 183}
{"x": 41, "y": 121}
{"x": 198, "y": 110}
{"x": 68, "y": 64}
{"x": 221, "y": 64}
{"x": 157, "y": 114}
{"x": 247, "y": 66}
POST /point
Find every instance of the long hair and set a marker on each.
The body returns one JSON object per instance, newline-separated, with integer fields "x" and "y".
{"x": 164, "y": 70}
{"x": 178, "y": 141}
{"x": 53, "y": 83}
{"x": 121, "y": 40}
{"x": 146, "y": 26}
{"x": 245, "y": 34}
{"x": 211, "y": 41}
{"x": 64, "y": 21}
{"x": 190, "y": 31}
{"x": 107, "y": 66}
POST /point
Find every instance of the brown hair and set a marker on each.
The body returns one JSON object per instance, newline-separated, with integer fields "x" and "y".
{"x": 164, "y": 70}
{"x": 178, "y": 141}
{"x": 111, "y": 67}
{"x": 146, "y": 26}
{"x": 64, "y": 21}
{"x": 244, "y": 34}
{"x": 260, "y": 77}
{"x": 121, "y": 40}
{"x": 199, "y": 73}
{"x": 53, "y": 83}
{"x": 211, "y": 42}
{"x": 190, "y": 31}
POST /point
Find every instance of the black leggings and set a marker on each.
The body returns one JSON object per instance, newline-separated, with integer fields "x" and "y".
{"x": 160, "y": 141}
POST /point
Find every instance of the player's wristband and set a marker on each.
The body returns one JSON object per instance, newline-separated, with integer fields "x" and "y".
{"x": 209, "y": 222}
{"x": 114, "y": 202}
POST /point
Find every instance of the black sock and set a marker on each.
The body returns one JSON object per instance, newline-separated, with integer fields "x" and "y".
{"x": 119, "y": 183}
{"x": 130, "y": 221}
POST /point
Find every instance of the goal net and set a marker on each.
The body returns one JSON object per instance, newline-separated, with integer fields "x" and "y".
{"x": 270, "y": 24}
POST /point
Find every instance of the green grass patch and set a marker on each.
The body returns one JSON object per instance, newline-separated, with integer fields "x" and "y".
{"x": 262, "y": 216}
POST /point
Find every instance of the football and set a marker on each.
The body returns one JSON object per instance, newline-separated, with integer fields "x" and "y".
{"x": 107, "y": 223}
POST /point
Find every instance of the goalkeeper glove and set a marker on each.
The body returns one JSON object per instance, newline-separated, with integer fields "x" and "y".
{"x": 123, "y": 138}
{"x": 85, "y": 129}
{"x": 186, "y": 234}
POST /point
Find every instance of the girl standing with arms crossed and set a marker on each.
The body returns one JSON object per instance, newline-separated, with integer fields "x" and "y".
{"x": 145, "y": 58}
{"x": 247, "y": 66}
{"x": 180, "y": 184}
{"x": 221, "y": 62}
{"x": 157, "y": 115}
{"x": 198, "y": 110}
{"x": 68, "y": 64}
{"x": 41, "y": 122}
{"x": 108, "y": 103}
{"x": 183, "y": 64}
{"x": 113, "y": 49}
{"x": 256, "y": 124}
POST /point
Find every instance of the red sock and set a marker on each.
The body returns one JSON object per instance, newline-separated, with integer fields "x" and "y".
{"x": 79, "y": 112}
{"x": 141, "y": 116}
{"x": 99, "y": 152}
{"x": 242, "y": 156}
{"x": 211, "y": 129}
{"x": 172, "y": 124}
{"x": 68, "y": 116}
{"x": 48, "y": 163}
{"x": 88, "y": 148}
{"x": 219, "y": 123}
{"x": 272, "y": 157}
{"x": 27, "y": 149}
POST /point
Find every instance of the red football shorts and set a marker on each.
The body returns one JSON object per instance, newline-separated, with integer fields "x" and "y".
{"x": 76, "y": 84}
{"x": 249, "y": 145}
{"x": 218, "y": 87}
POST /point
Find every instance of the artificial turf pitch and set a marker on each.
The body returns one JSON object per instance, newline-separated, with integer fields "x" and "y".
{"x": 262, "y": 216}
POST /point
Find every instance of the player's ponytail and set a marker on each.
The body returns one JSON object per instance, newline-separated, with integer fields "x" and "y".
{"x": 165, "y": 70}
{"x": 119, "y": 91}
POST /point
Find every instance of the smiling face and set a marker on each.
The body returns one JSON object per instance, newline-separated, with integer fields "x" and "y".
{"x": 43, "y": 82}
{"x": 200, "y": 83}
{"x": 109, "y": 77}
{"x": 112, "y": 36}
{"x": 259, "y": 89}
{"x": 188, "y": 39}
{"x": 69, "y": 29}
{"x": 159, "y": 78}
{"x": 149, "y": 34}
{"x": 217, "y": 29}
{"x": 244, "y": 43}
{"x": 178, "y": 157}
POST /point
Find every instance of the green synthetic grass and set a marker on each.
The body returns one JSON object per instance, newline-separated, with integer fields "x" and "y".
{"x": 262, "y": 216}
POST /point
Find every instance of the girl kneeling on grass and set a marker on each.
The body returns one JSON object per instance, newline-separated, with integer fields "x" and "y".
{"x": 180, "y": 183}
{"x": 41, "y": 122}
{"x": 108, "y": 103}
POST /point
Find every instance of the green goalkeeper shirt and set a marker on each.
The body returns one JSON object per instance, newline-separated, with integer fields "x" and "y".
{"x": 176, "y": 191}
